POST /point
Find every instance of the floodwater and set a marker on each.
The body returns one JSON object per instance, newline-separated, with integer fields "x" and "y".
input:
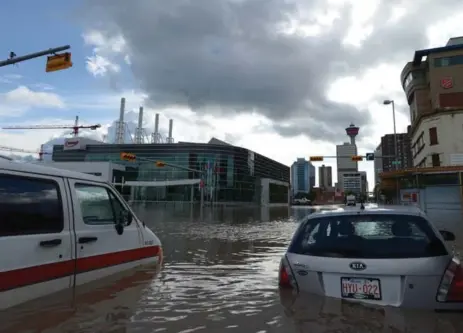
{"x": 219, "y": 275}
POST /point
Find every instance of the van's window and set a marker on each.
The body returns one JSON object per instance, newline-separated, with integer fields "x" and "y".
{"x": 29, "y": 206}
{"x": 95, "y": 204}
{"x": 367, "y": 236}
{"x": 98, "y": 204}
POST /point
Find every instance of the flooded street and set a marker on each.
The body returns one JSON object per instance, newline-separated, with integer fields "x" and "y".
{"x": 219, "y": 275}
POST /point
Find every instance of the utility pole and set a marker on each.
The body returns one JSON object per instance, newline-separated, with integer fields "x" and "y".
{"x": 14, "y": 59}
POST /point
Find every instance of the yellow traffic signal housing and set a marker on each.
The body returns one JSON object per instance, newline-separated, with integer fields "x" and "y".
{"x": 58, "y": 62}
{"x": 160, "y": 164}
{"x": 357, "y": 158}
{"x": 128, "y": 157}
{"x": 316, "y": 158}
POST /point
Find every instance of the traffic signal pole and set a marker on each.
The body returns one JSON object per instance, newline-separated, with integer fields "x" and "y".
{"x": 14, "y": 60}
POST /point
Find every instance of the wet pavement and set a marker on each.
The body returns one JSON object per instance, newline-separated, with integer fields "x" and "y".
{"x": 219, "y": 275}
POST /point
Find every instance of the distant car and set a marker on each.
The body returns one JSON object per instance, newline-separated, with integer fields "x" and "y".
{"x": 382, "y": 255}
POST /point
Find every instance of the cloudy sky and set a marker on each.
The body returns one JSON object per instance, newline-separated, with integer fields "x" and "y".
{"x": 280, "y": 77}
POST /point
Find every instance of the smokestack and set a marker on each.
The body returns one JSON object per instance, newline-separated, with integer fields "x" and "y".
{"x": 171, "y": 123}
{"x": 120, "y": 125}
{"x": 156, "y": 123}
{"x": 139, "y": 130}
{"x": 140, "y": 118}
{"x": 121, "y": 114}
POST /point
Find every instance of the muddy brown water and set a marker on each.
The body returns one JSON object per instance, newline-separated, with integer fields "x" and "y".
{"x": 219, "y": 275}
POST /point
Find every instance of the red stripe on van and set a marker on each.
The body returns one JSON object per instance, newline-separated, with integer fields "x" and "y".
{"x": 36, "y": 274}
{"x": 115, "y": 258}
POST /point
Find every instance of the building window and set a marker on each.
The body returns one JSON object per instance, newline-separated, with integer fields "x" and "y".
{"x": 448, "y": 61}
{"x": 435, "y": 160}
{"x": 29, "y": 206}
{"x": 422, "y": 163}
{"x": 433, "y": 136}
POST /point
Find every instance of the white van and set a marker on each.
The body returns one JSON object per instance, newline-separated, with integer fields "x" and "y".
{"x": 60, "y": 229}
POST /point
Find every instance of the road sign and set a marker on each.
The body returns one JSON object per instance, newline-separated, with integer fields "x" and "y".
{"x": 58, "y": 62}
{"x": 396, "y": 162}
{"x": 316, "y": 158}
{"x": 357, "y": 158}
{"x": 128, "y": 157}
{"x": 370, "y": 156}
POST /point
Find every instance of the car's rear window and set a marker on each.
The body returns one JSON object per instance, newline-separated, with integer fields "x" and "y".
{"x": 367, "y": 236}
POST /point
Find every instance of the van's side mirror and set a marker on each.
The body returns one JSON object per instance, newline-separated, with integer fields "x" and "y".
{"x": 124, "y": 219}
{"x": 127, "y": 218}
{"x": 119, "y": 228}
{"x": 447, "y": 235}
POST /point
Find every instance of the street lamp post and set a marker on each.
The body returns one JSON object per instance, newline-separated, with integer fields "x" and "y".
{"x": 387, "y": 102}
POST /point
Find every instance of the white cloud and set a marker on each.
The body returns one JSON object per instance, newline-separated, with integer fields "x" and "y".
{"x": 17, "y": 101}
{"x": 105, "y": 51}
{"x": 100, "y": 66}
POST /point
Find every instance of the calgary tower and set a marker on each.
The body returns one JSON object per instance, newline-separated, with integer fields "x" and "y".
{"x": 352, "y": 131}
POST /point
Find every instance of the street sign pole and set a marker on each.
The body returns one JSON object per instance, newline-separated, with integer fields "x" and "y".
{"x": 14, "y": 60}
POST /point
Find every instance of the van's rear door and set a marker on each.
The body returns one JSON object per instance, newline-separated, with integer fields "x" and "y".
{"x": 36, "y": 249}
{"x": 101, "y": 251}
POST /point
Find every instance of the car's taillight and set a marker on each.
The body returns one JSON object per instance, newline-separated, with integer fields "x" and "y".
{"x": 451, "y": 286}
{"x": 285, "y": 277}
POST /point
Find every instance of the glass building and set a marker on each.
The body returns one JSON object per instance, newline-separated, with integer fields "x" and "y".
{"x": 229, "y": 173}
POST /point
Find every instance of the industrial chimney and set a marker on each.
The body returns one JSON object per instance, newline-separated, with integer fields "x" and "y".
{"x": 120, "y": 125}
{"x": 170, "y": 139}
{"x": 156, "y": 123}
{"x": 139, "y": 130}
{"x": 156, "y": 136}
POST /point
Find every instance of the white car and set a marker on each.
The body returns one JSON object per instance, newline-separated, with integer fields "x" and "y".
{"x": 382, "y": 255}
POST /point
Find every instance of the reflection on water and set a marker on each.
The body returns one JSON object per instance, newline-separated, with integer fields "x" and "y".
{"x": 220, "y": 275}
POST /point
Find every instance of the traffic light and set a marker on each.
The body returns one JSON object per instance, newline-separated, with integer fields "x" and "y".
{"x": 128, "y": 157}
{"x": 357, "y": 158}
{"x": 316, "y": 158}
{"x": 370, "y": 156}
{"x": 160, "y": 164}
{"x": 58, "y": 62}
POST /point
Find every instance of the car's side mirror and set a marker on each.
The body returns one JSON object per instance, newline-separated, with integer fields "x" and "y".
{"x": 447, "y": 235}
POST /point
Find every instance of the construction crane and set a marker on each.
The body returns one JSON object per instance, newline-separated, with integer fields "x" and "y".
{"x": 19, "y": 150}
{"x": 75, "y": 128}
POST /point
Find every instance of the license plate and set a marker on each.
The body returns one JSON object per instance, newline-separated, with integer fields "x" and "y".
{"x": 360, "y": 288}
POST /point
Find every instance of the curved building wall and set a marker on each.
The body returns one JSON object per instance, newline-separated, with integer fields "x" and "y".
{"x": 230, "y": 173}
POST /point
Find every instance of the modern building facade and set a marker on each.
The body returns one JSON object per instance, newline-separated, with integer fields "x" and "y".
{"x": 378, "y": 163}
{"x": 302, "y": 176}
{"x": 325, "y": 177}
{"x": 433, "y": 85}
{"x": 355, "y": 182}
{"x": 227, "y": 173}
{"x": 344, "y": 161}
{"x": 404, "y": 152}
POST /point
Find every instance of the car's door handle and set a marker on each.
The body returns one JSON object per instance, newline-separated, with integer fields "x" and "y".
{"x": 50, "y": 243}
{"x": 83, "y": 240}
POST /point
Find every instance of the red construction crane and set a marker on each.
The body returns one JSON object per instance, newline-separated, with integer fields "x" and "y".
{"x": 19, "y": 150}
{"x": 75, "y": 128}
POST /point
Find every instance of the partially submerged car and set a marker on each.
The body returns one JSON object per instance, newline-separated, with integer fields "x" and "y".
{"x": 381, "y": 255}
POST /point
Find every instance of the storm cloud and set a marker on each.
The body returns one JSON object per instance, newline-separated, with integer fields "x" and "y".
{"x": 227, "y": 56}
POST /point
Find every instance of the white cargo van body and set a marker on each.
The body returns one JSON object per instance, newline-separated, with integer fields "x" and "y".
{"x": 60, "y": 229}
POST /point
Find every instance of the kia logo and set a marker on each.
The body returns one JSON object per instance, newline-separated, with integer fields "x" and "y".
{"x": 357, "y": 266}
{"x": 71, "y": 143}
{"x": 302, "y": 272}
